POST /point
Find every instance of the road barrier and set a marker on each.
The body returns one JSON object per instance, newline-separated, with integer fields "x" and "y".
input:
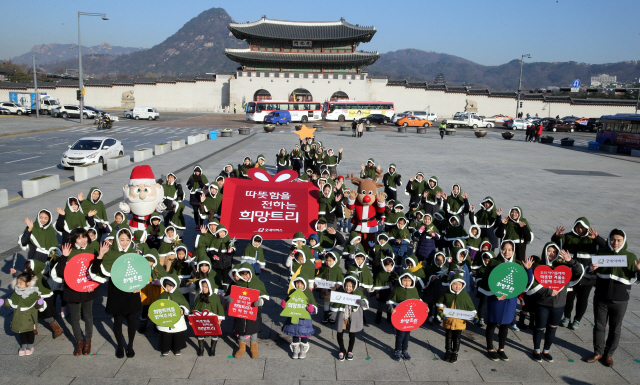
{"x": 142, "y": 155}
{"x": 4, "y": 198}
{"x": 161, "y": 148}
{"x": 87, "y": 171}
{"x": 40, "y": 185}
{"x": 119, "y": 162}
{"x": 177, "y": 144}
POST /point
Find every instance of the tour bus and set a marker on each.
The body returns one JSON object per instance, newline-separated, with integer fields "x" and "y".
{"x": 342, "y": 110}
{"x": 622, "y": 130}
{"x": 300, "y": 111}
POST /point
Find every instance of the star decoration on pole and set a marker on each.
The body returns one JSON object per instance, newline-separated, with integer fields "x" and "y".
{"x": 306, "y": 132}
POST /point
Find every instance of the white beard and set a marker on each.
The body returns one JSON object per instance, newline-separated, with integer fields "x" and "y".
{"x": 145, "y": 207}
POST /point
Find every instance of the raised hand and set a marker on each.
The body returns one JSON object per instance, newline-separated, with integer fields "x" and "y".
{"x": 472, "y": 207}
{"x": 438, "y": 194}
{"x": 353, "y": 194}
{"x": 565, "y": 255}
{"x": 202, "y": 198}
{"x": 521, "y": 223}
{"x": 528, "y": 262}
{"x": 411, "y": 179}
{"x": 505, "y": 220}
{"x": 80, "y": 196}
{"x": 104, "y": 248}
{"x": 60, "y": 211}
{"x": 499, "y": 212}
{"x": 380, "y": 196}
{"x": 559, "y": 231}
{"x": 29, "y": 224}
{"x": 362, "y": 167}
{"x": 464, "y": 195}
{"x": 331, "y": 230}
{"x": 444, "y": 195}
{"x": 593, "y": 233}
{"x": 92, "y": 213}
{"x": 66, "y": 249}
{"x": 340, "y": 151}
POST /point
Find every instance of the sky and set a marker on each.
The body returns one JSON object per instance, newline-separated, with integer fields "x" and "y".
{"x": 489, "y": 32}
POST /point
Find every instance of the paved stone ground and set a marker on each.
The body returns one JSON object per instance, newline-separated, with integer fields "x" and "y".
{"x": 513, "y": 172}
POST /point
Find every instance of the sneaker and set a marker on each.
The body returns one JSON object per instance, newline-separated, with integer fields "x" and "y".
{"x": 493, "y": 356}
{"x": 430, "y": 320}
{"x": 406, "y": 356}
{"x": 514, "y": 327}
{"x": 22, "y": 352}
{"x": 503, "y": 355}
{"x": 165, "y": 354}
{"x": 349, "y": 356}
{"x": 575, "y": 325}
{"x": 176, "y": 353}
{"x": 481, "y": 322}
{"x": 28, "y": 352}
{"x": 547, "y": 357}
{"x": 397, "y": 355}
{"x": 565, "y": 322}
{"x": 537, "y": 357}
{"x": 341, "y": 356}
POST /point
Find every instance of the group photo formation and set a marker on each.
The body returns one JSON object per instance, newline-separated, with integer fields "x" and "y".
{"x": 320, "y": 194}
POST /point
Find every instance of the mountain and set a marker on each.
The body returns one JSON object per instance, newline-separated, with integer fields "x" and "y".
{"x": 51, "y": 53}
{"x": 416, "y": 65}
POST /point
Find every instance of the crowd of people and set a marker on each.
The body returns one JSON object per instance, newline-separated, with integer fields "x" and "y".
{"x": 421, "y": 251}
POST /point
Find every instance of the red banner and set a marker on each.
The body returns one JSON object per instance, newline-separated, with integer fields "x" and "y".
{"x": 275, "y": 207}
{"x": 242, "y": 305}
{"x": 204, "y": 324}
{"x": 554, "y": 279}
{"x": 76, "y": 273}
{"x": 627, "y": 140}
{"x": 409, "y": 315}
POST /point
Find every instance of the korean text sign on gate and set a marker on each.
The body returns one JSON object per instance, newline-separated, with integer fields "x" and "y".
{"x": 271, "y": 206}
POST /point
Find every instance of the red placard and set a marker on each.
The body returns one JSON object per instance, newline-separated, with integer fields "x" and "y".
{"x": 204, "y": 324}
{"x": 271, "y": 206}
{"x": 242, "y": 305}
{"x": 554, "y": 279}
{"x": 76, "y": 273}
{"x": 409, "y": 315}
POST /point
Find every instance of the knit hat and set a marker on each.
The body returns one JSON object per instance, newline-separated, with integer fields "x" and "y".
{"x": 142, "y": 175}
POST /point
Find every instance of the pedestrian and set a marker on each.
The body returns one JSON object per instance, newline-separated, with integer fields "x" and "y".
{"x": 529, "y": 133}
{"x": 303, "y": 329}
{"x": 443, "y": 128}
{"x": 234, "y": 108}
{"x": 539, "y": 132}
{"x": 611, "y": 298}
{"x": 354, "y": 127}
{"x": 360, "y": 128}
{"x": 349, "y": 318}
{"x": 26, "y": 303}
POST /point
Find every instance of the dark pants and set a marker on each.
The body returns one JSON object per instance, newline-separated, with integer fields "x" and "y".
{"x": 196, "y": 215}
{"x": 224, "y": 275}
{"x": 612, "y": 312}
{"x": 482, "y": 305}
{"x": 391, "y": 194}
{"x": 503, "y": 330}
{"x": 27, "y": 337}
{"x": 546, "y": 318}
{"x": 452, "y": 340}
{"x": 402, "y": 340}
{"x": 172, "y": 342}
{"x": 580, "y": 294}
{"x": 78, "y": 310}
{"x": 132, "y": 326}
{"x": 352, "y": 341}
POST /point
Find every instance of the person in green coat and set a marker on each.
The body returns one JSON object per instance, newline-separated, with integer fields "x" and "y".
{"x": 303, "y": 329}
{"x": 362, "y": 271}
{"x": 243, "y": 168}
{"x": 331, "y": 272}
{"x": 433, "y": 196}
{"x": 204, "y": 238}
{"x": 254, "y": 254}
{"x": 298, "y": 261}
{"x": 196, "y": 185}
{"x": 392, "y": 181}
{"x": 25, "y": 302}
{"x": 331, "y": 161}
{"x": 416, "y": 188}
{"x": 172, "y": 338}
{"x": 384, "y": 280}
{"x": 71, "y": 217}
{"x": 208, "y": 300}
{"x": 349, "y": 318}
{"x": 39, "y": 237}
{"x": 211, "y": 203}
{"x": 454, "y": 298}
{"x": 404, "y": 291}
{"x": 94, "y": 202}
{"x": 283, "y": 162}
{"x": 119, "y": 222}
{"x": 369, "y": 171}
{"x": 261, "y": 163}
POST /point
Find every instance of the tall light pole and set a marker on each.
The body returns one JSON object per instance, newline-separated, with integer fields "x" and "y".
{"x": 520, "y": 83}
{"x": 81, "y": 93}
{"x": 35, "y": 87}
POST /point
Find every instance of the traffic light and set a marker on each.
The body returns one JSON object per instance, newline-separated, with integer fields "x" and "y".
{"x": 520, "y": 104}
{"x": 78, "y": 94}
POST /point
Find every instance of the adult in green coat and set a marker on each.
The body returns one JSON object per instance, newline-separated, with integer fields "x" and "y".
{"x": 39, "y": 237}
{"x": 94, "y": 202}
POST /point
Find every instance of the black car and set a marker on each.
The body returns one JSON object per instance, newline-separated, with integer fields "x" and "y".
{"x": 591, "y": 126}
{"x": 97, "y": 111}
{"x": 376, "y": 118}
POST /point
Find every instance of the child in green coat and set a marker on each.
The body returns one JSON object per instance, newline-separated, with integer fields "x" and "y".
{"x": 172, "y": 338}
{"x": 254, "y": 255}
{"x": 332, "y": 272}
{"x": 404, "y": 291}
{"x": 26, "y": 303}
{"x": 210, "y": 301}
{"x": 455, "y": 298}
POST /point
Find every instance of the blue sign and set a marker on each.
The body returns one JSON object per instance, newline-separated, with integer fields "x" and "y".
{"x": 576, "y": 83}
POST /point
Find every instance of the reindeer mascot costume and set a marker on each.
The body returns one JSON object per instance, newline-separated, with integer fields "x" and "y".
{"x": 366, "y": 202}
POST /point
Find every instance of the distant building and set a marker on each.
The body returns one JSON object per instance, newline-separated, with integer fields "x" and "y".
{"x": 440, "y": 79}
{"x": 603, "y": 80}
{"x": 4, "y": 74}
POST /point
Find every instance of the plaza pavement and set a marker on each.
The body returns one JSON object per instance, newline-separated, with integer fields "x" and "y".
{"x": 512, "y": 172}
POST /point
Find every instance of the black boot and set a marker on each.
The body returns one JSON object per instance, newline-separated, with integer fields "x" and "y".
{"x": 143, "y": 325}
{"x": 522, "y": 321}
{"x": 454, "y": 350}
{"x": 200, "y": 348}
{"x": 379, "y": 317}
{"x": 388, "y": 317}
{"x": 447, "y": 346}
{"x": 212, "y": 351}
{"x": 325, "y": 317}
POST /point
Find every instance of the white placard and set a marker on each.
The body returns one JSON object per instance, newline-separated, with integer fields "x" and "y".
{"x": 344, "y": 298}
{"x": 322, "y": 284}
{"x": 610, "y": 260}
{"x": 460, "y": 314}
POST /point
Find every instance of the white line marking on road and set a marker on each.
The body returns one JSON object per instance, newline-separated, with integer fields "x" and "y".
{"x": 20, "y": 160}
{"x": 9, "y": 152}
{"x": 141, "y": 144}
{"x": 46, "y": 168}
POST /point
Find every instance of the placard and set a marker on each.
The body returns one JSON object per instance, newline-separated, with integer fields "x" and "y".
{"x": 296, "y": 307}
{"x": 271, "y": 206}
{"x": 130, "y": 272}
{"x": 459, "y": 314}
{"x": 76, "y": 273}
{"x": 610, "y": 260}
{"x": 508, "y": 279}
{"x": 242, "y": 305}
{"x": 164, "y": 312}
{"x": 409, "y": 315}
{"x": 344, "y": 298}
{"x": 204, "y": 323}
{"x": 554, "y": 279}
{"x": 323, "y": 284}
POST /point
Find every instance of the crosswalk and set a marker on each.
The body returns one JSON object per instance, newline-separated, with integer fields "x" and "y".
{"x": 146, "y": 130}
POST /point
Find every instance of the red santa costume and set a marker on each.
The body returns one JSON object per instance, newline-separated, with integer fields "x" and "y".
{"x": 364, "y": 217}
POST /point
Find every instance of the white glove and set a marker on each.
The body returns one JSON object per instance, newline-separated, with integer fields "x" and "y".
{"x": 124, "y": 208}
{"x": 161, "y": 207}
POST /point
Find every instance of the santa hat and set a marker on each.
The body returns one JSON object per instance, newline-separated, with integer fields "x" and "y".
{"x": 142, "y": 175}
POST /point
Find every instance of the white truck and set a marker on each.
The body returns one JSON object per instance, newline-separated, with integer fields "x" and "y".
{"x": 468, "y": 120}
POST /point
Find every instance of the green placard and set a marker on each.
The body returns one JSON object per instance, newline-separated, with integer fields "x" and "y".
{"x": 164, "y": 312}
{"x": 130, "y": 272}
{"x": 296, "y": 307}
{"x": 509, "y": 279}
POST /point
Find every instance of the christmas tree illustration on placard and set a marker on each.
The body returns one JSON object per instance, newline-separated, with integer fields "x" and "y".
{"x": 296, "y": 307}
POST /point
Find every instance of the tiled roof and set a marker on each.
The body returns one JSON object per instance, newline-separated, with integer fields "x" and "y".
{"x": 355, "y": 59}
{"x": 295, "y": 30}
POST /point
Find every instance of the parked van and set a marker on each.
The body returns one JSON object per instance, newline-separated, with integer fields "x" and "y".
{"x": 142, "y": 113}
{"x": 278, "y": 117}
{"x": 423, "y": 115}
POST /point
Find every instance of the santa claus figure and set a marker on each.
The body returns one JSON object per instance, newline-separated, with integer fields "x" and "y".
{"x": 366, "y": 202}
{"x": 142, "y": 196}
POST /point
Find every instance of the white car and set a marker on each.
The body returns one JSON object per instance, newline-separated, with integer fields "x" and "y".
{"x": 91, "y": 150}
{"x": 15, "y": 108}
{"x": 138, "y": 113}
{"x": 518, "y": 124}
{"x": 72, "y": 111}
{"x": 396, "y": 117}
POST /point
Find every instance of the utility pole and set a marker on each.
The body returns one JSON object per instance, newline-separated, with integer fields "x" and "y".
{"x": 81, "y": 85}
{"x": 35, "y": 87}
{"x": 520, "y": 83}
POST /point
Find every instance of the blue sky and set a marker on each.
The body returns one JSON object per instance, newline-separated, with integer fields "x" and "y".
{"x": 489, "y": 32}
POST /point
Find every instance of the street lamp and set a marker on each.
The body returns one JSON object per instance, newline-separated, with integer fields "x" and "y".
{"x": 104, "y": 17}
{"x": 528, "y": 56}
